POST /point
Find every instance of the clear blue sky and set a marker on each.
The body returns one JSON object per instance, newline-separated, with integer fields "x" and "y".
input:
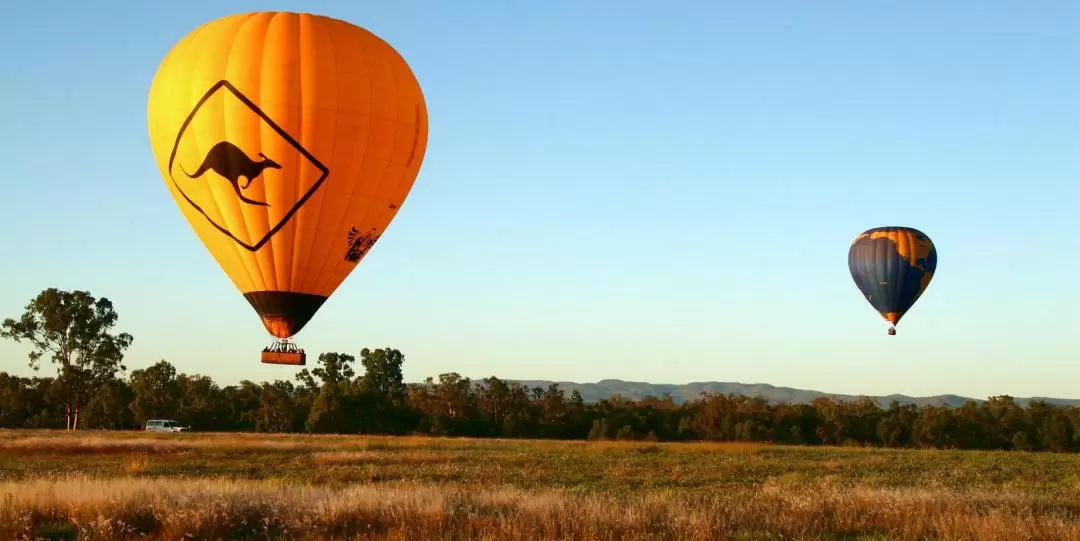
{"x": 647, "y": 191}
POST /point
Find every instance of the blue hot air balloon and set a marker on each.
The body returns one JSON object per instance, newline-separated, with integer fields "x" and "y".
{"x": 892, "y": 267}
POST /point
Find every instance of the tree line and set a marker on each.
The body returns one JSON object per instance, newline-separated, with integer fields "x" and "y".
{"x": 343, "y": 394}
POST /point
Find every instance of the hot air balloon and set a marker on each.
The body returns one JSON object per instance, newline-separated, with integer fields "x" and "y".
{"x": 289, "y": 141}
{"x": 892, "y": 267}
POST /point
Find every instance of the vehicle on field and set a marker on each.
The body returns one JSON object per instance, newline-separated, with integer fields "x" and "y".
{"x": 164, "y": 425}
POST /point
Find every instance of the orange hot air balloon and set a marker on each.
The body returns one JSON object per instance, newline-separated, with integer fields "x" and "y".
{"x": 289, "y": 141}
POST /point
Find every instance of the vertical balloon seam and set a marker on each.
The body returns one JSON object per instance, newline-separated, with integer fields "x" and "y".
{"x": 913, "y": 249}
{"x": 287, "y": 56}
{"x": 325, "y": 275}
{"x": 892, "y": 266}
{"x": 191, "y": 133}
{"x": 254, "y": 74}
{"x": 249, "y": 260}
{"x": 317, "y": 215}
{"x": 295, "y": 81}
{"x": 374, "y": 47}
{"x": 880, "y": 263}
{"x": 869, "y": 272}
{"x": 916, "y": 266}
{"x": 180, "y": 54}
{"x": 909, "y": 267}
{"x": 896, "y": 275}
{"x": 880, "y": 271}
{"x": 926, "y": 269}
{"x": 305, "y": 213}
{"x": 380, "y": 203}
{"x": 922, "y": 264}
{"x": 381, "y": 187}
{"x": 276, "y": 60}
{"x": 194, "y": 133}
{"x": 321, "y": 246}
{"x": 885, "y": 259}
{"x": 894, "y": 262}
{"x": 312, "y": 215}
{"x": 291, "y": 230}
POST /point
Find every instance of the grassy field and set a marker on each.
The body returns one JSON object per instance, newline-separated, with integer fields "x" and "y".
{"x": 108, "y": 485}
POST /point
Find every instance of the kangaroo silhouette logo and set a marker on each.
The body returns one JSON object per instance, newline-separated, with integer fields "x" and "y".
{"x": 267, "y": 154}
{"x": 227, "y": 160}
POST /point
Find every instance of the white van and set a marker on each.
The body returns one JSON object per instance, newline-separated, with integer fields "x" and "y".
{"x": 164, "y": 425}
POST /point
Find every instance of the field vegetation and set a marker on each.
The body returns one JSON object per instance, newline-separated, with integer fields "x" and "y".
{"x": 109, "y": 485}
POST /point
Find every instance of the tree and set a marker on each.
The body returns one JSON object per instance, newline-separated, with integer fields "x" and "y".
{"x": 20, "y": 401}
{"x": 894, "y": 427}
{"x": 504, "y": 407}
{"x": 381, "y": 403}
{"x": 599, "y": 430}
{"x": 553, "y": 410}
{"x": 334, "y": 367}
{"x": 277, "y": 408}
{"x": 198, "y": 401}
{"x": 329, "y": 412}
{"x": 156, "y": 393}
{"x": 382, "y": 372}
{"x": 447, "y": 406}
{"x": 73, "y": 328}
{"x": 331, "y": 407}
{"x": 240, "y": 403}
{"x": 109, "y": 407}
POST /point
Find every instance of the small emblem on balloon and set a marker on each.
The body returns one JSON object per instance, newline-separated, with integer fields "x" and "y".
{"x": 359, "y": 244}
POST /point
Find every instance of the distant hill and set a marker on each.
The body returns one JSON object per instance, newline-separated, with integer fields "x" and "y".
{"x": 593, "y": 392}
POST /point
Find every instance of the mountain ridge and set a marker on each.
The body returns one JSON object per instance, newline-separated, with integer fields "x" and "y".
{"x": 605, "y": 388}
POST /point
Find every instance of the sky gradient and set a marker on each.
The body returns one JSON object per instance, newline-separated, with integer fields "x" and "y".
{"x": 613, "y": 189}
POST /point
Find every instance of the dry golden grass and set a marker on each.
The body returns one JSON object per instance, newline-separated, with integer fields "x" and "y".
{"x": 105, "y": 442}
{"x": 257, "y": 486}
{"x": 166, "y": 442}
{"x": 222, "y": 508}
{"x": 136, "y": 462}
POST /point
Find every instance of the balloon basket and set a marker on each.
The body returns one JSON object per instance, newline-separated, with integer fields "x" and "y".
{"x": 892, "y": 331}
{"x": 284, "y": 352}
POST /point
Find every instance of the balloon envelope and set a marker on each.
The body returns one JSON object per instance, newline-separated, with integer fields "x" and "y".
{"x": 289, "y": 141}
{"x": 892, "y": 266}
